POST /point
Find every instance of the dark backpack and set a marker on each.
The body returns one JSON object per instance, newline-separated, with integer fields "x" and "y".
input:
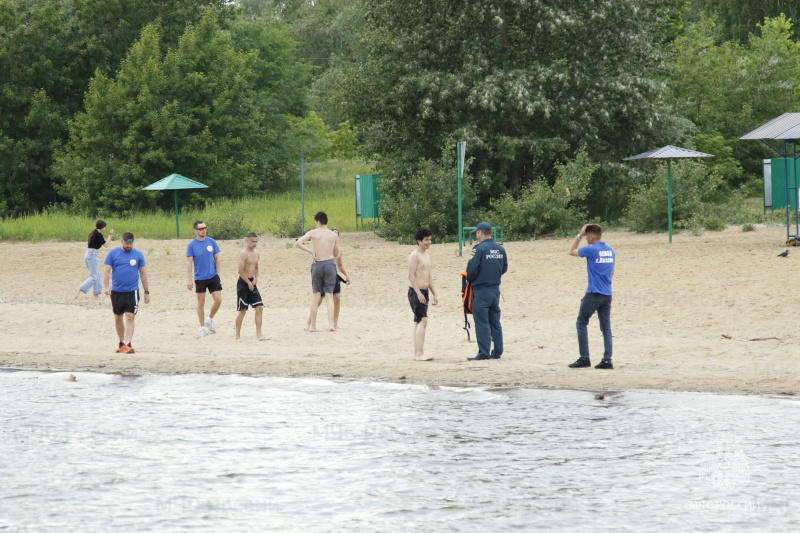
{"x": 466, "y": 300}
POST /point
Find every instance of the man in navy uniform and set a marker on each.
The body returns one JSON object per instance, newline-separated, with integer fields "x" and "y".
{"x": 484, "y": 270}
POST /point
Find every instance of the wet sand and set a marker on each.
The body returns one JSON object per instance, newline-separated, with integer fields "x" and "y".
{"x": 708, "y": 313}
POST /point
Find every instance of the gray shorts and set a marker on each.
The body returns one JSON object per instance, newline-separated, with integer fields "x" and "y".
{"x": 323, "y": 276}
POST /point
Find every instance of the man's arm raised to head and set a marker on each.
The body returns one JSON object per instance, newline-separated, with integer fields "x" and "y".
{"x": 573, "y": 247}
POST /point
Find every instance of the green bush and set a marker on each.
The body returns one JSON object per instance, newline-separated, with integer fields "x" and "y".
{"x": 422, "y": 193}
{"x": 320, "y": 142}
{"x": 748, "y": 227}
{"x": 715, "y": 224}
{"x": 287, "y": 226}
{"x": 699, "y": 200}
{"x": 227, "y": 226}
{"x": 540, "y": 208}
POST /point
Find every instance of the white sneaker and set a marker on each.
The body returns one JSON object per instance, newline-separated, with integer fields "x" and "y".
{"x": 210, "y": 325}
{"x": 202, "y": 331}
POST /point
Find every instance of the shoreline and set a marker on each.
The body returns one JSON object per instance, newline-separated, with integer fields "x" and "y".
{"x": 400, "y": 381}
{"x": 709, "y": 314}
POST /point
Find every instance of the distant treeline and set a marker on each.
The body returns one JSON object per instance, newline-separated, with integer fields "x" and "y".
{"x": 98, "y": 99}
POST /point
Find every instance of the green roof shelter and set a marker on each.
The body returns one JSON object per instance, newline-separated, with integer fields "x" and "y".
{"x": 668, "y": 153}
{"x": 174, "y": 183}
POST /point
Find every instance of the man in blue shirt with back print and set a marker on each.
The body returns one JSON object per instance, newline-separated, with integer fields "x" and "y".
{"x": 600, "y": 261}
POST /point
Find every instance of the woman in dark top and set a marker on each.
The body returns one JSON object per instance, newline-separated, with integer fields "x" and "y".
{"x": 92, "y": 258}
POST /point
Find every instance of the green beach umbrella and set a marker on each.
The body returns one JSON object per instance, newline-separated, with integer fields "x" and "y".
{"x": 668, "y": 153}
{"x": 174, "y": 183}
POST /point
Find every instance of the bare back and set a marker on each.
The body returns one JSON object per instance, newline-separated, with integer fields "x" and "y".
{"x": 326, "y": 243}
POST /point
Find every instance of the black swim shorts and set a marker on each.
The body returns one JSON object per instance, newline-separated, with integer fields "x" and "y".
{"x": 420, "y": 310}
{"x": 245, "y": 297}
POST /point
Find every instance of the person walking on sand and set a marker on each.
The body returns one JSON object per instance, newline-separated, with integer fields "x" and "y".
{"x": 92, "y": 258}
{"x": 125, "y": 266}
{"x": 246, "y": 291}
{"x": 323, "y": 270}
{"x": 337, "y": 289}
{"x": 600, "y": 261}
{"x": 485, "y": 268}
{"x": 420, "y": 280}
{"x": 203, "y": 266}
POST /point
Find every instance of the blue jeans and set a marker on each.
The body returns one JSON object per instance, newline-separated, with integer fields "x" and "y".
{"x": 486, "y": 311}
{"x": 601, "y": 303}
{"x": 93, "y": 264}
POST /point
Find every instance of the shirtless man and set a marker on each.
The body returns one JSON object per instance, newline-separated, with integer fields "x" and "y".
{"x": 323, "y": 271}
{"x": 421, "y": 281}
{"x": 246, "y": 290}
{"x": 337, "y": 290}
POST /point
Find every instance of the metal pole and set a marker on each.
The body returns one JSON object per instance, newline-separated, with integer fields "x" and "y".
{"x": 302, "y": 191}
{"x": 460, "y": 149}
{"x": 786, "y": 185}
{"x": 796, "y": 199}
{"x": 177, "y": 222}
{"x": 669, "y": 199}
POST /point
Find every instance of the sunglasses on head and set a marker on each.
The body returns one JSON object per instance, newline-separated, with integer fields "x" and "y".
{"x": 128, "y": 240}
{"x": 204, "y": 227}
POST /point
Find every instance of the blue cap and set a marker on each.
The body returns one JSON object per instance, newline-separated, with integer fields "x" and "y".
{"x": 483, "y": 226}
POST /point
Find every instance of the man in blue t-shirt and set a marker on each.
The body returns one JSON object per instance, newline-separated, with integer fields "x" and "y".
{"x": 600, "y": 260}
{"x": 202, "y": 268}
{"x": 127, "y": 266}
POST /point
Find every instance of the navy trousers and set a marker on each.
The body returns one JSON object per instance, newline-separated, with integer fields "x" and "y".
{"x": 594, "y": 302}
{"x": 486, "y": 311}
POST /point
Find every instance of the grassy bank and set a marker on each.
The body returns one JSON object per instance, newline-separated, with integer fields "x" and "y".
{"x": 329, "y": 188}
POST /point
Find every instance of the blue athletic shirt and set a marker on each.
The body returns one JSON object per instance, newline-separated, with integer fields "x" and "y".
{"x": 125, "y": 269}
{"x": 203, "y": 253}
{"x": 600, "y": 259}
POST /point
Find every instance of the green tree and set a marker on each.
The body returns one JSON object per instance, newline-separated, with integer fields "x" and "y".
{"x": 49, "y": 49}
{"x": 328, "y": 33}
{"x": 727, "y": 88}
{"x": 524, "y": 83}
{"x": 193, "y": 110}
{"x": 740, "y": 18}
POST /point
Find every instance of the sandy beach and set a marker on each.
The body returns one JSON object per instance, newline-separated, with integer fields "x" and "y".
{"x": 705, "y": 313}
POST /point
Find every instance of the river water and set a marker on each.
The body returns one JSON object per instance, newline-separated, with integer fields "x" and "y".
{"x": 235, "y": 453}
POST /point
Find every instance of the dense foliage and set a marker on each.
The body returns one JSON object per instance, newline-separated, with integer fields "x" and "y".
{"x": 101, "y": 97}
{"x": 523, "y": 83}
{"x": 196, "y": 110}
{"x": 49, "y": 51}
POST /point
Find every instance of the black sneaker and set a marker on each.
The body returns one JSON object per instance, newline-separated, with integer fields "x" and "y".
{"x": 581, "y": 363}
{"x": 478, "y": 358}
{"x": 605, "y": 364}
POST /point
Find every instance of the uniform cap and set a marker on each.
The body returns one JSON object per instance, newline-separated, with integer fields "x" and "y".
{"x": 483, "y": 226}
